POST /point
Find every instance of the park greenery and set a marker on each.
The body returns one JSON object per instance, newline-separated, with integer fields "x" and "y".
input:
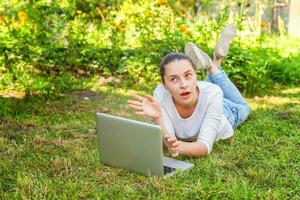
{"x": 46, "y": 46}
{"x": 61, "y": 61}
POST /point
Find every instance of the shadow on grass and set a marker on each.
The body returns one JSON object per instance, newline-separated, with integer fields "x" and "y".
{"x": 260, "y": 156}
{"x": 30, "y": 114}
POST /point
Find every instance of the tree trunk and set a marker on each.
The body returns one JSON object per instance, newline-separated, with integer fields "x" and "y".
{"x": 258, "y": 12}
{"x": 294, "y": 18}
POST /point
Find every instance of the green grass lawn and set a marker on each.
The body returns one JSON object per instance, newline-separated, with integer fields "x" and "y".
{"x": 48, "y": 151}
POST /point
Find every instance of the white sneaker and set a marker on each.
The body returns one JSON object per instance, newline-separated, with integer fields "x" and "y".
{"x": 226, "y": 37}
{"x": 199, "y": 58}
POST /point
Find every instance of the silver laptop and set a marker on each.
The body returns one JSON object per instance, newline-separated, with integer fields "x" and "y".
{"x": 135, "y": 146}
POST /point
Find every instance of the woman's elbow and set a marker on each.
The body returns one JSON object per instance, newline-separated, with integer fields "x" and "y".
{"x": 201, "y": 150}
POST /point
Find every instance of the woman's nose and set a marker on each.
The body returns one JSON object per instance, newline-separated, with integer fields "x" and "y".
{"x": 183, "y": 83}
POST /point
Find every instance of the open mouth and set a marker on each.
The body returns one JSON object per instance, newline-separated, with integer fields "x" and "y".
{"x": 185, "y": 94}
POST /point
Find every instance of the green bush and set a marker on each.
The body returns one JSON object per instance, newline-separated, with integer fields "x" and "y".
{"x": 44, "y": 41}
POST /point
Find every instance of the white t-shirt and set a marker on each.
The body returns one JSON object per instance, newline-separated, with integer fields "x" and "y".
{"x": 207, "y": 123}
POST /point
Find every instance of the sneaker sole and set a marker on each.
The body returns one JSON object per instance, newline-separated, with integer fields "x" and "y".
{"x": 222, "y": 46}
{"x": 195, "y": 54}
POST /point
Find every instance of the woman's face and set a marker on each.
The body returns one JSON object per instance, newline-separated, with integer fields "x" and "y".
{"x": 180, "y": 80}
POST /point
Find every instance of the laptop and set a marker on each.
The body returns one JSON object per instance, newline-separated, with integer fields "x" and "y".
{"x": 135, "y": 146}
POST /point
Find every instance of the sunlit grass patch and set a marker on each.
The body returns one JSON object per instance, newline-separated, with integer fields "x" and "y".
{"x": 12, "y": 94}
{"x": 283, "y": 97}
{"x": 48, "y": 149}
{"x": 295, "y": 90}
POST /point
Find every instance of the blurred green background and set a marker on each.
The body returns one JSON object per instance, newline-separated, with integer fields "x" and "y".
{"x": 49, "y": 46}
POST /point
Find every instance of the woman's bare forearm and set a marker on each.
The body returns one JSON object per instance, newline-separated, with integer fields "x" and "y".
{"x": 193, "y": 149}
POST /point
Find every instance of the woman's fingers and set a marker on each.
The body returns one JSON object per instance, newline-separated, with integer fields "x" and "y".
{"x": 175, "y": 154}
{"x": 175, "y": 144}
{"x": 140, "y": 113}
{"x": 140, "y": 108}
{"x": 172, "y": 144}
{"x": 138, "y": 97}
{"x": 150, "y": 98}
{"x": 172, "y": 139}
{"x": 166, "y": 137}
{"x": 137, "y": 103}
{"x": 174, "y": 148}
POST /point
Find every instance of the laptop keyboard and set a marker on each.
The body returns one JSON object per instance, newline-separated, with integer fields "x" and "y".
{"x": 168, "y": 170}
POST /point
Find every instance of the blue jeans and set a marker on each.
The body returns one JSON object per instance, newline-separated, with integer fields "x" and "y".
{"x": 236, "y": 109}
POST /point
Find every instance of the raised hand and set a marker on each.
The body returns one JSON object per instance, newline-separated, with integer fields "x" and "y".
{"x": 147, "y": 106}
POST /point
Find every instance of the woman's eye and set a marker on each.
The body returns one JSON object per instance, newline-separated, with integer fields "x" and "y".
{"x": 173, "y": 79}
{"x": 188, "y": 75}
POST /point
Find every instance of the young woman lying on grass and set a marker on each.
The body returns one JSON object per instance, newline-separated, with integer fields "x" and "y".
{"x": 193, "y": 114}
